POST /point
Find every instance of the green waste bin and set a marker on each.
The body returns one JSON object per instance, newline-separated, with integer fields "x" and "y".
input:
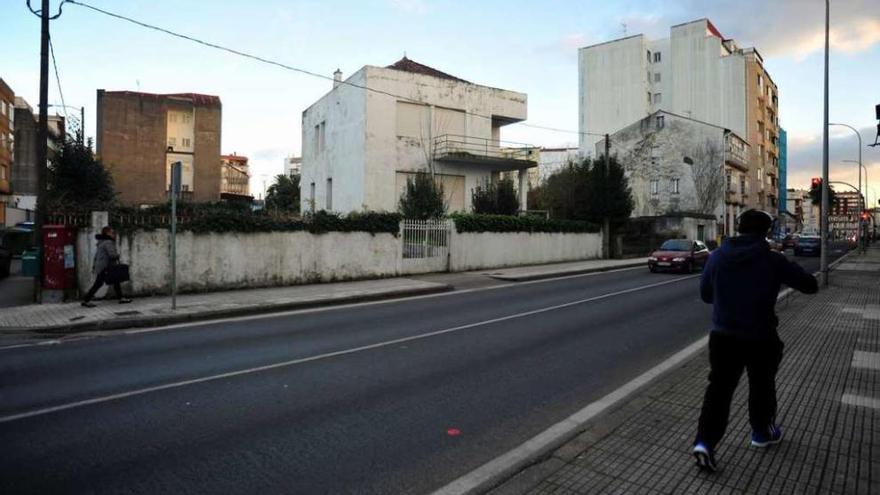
{"x": 30, "y": 262}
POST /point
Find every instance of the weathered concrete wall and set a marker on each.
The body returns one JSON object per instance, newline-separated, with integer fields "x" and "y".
{"x": 478, "y": 251}
{"x": 232, "y": 260}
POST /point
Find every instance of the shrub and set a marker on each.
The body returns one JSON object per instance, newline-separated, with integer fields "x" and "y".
{"x": 498, "y": 198}
{"x": 504, "y": 223}
{"x": 423, "y": 198}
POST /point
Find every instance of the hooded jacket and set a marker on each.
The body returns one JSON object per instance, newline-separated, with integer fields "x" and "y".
{"x": 105, "y": 254}
{"x": 742, "y": 280}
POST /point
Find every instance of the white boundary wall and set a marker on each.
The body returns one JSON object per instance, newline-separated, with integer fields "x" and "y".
{"x": 207, "y": 262}
{"x": 479, "y": 251}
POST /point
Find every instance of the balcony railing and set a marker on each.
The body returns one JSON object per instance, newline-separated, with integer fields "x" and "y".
{"x": 469, "y": 149}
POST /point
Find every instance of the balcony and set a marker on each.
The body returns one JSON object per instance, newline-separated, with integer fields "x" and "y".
{"x": 732, "y": 197}
{"x": 737, "y": 158}
{"x": 468, "y": 150}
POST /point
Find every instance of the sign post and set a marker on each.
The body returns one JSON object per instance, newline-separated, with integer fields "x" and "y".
{"x": 175, "y": 192}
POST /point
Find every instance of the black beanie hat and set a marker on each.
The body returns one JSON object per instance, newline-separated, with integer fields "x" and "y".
{"x": 754, "y": 222}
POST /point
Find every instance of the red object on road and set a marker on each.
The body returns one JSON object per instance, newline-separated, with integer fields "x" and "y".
{"x": 59, "y": 258}
{"x": 453, "y": 432}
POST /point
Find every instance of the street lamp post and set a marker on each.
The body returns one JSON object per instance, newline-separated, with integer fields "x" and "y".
{"x": 859, "y": 230}
{"x": 823, "y": 256}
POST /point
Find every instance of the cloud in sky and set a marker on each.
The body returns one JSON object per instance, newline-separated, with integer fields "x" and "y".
{"x": 805, "y": 158}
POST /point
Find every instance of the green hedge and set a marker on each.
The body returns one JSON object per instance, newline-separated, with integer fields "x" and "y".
{"x": 222, "y": 217}
{"x": 466, "y": 222}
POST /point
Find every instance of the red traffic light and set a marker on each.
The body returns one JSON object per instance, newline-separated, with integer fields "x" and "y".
{"x": 865, "y": 215}
{"x": 816, "y": 182}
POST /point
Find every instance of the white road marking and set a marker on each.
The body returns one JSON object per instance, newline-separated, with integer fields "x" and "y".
{"x": 183, "y": 383}
{"x": 860, "y": 401}
{"x": 868, "y": 360}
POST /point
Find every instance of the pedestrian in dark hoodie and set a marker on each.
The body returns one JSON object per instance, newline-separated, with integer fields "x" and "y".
{"x": 742, "y": 280}
{"x": 106, "y": 256}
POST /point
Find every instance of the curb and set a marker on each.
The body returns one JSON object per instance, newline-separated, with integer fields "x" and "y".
{"x": 561, "y": 273}
{"x": 527, "y": 468}
{"x": 170, "y": 319}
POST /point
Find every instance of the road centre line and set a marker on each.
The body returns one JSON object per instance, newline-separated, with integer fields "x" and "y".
{"x": 292, "y": 362}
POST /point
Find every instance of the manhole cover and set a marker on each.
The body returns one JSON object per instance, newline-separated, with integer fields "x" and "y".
{"x": 126, "y": 313}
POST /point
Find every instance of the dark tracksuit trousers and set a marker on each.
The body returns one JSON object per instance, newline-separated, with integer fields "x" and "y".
{"x": 100, "y": 280}
{"x": 729, "y": 355}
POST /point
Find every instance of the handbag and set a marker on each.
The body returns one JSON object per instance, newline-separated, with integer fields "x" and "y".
{"x": 118, "y": 273}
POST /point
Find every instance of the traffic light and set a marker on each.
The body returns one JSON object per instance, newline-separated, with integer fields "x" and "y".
{"x": 816, "y": 182}
{"x": 865, "y": 215}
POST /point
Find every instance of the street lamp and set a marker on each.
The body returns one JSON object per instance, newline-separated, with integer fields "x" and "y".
{"x": 859, "y": 230}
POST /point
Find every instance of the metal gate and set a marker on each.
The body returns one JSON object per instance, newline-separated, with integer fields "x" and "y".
{"x": 426, "y": 245}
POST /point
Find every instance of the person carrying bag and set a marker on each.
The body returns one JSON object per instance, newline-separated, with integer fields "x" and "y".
{"x": 107, "y": 268}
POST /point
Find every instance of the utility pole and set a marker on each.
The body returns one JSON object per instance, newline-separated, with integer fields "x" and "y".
{"x": 823, "y": 260}
{"x": 42, "y": 146}
{"x": 82, "y": 125}
{"x": 606, "y": 222}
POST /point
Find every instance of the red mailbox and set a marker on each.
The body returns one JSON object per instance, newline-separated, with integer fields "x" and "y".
{"x": 59, "y": 260}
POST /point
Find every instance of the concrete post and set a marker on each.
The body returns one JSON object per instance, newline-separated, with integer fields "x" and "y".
{"x": 523, "y": 189}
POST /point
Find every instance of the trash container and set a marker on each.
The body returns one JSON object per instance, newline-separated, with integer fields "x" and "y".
{"x": 30, "y": 262}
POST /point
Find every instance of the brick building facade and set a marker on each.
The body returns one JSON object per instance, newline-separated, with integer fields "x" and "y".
{"x": 139, "y": 135}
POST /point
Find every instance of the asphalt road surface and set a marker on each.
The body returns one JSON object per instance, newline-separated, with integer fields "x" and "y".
{"x": 354, "y": 399}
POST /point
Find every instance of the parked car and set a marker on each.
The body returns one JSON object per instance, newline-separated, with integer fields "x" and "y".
{"x": 682, "y": 255}
{"x": 808, "y": 245}
{"x": 790, "y": 241}
{"x": 774, "y": 244}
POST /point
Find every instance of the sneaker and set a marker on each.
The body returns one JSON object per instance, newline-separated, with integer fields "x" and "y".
{"x": 124, "y": 300}
{"x": 87, "y": 304}
{"x": 763, "y": 440}
{"x": 705, "y": 457}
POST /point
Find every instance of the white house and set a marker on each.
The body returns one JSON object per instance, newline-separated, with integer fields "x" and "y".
{"x": 684, "y": 168}
{"x": 360, "y": 146}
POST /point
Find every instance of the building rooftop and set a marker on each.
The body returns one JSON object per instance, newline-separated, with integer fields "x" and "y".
{"x": 234, "y": 158}
{"x": 196, "y": 98}
{"x": 407, "y": 65}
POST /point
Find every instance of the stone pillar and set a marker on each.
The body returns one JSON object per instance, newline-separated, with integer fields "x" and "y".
{"x": 523, "y": 189}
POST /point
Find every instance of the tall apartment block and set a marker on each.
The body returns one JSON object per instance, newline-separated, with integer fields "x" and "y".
{"x": 696, "y": 73}
{"x": 141, "y": 134}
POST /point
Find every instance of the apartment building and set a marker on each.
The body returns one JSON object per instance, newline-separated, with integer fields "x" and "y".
{"x": 234, "y": 177}
{"x": 7, "y": 139}
{"x": 696, "y": 72}
{"x": 139, "y": 136}
{"x": 292, "y": 166}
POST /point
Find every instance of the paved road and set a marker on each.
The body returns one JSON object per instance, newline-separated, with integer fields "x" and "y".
{"x": 334, "y": 407}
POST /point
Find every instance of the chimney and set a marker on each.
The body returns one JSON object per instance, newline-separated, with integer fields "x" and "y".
{"x": 337, "y": 78}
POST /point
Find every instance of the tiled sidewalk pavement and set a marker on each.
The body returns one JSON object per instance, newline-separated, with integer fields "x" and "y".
{"x": 829, "y": 408}
{"x": 149, "y": 311}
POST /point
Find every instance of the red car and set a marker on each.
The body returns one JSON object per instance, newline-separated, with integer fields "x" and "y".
{"x": 680, "y": 255}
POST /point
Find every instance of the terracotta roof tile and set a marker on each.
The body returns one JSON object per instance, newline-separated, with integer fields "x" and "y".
{"x": 408, "y": 65}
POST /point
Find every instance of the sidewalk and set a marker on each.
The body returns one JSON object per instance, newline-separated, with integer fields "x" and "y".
{"x": 829, "y": 408}
{"x": 155, "y": 311}
{"x": 537, "y": 272}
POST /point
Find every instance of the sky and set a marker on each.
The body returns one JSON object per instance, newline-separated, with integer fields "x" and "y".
{"x": 525, "y": 46}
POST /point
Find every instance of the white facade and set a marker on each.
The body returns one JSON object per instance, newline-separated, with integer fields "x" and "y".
{"x": 677, "y": 165}
{"x": 551, "y": 160}
{"x": 292, "y": 165}
{"x": 694, "y": 73}
{"x": 360, "y": 147}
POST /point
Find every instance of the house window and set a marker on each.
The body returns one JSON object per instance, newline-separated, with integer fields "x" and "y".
{"x": 657, "y": 57}
{"x": 187, "y": 118}
{"x": 649, "y": 56}
{"x": 329, "y": 198}
{"x": 674, "y": 186}
{"x": 319, "y": 137}
{"x": 172, "y": 117}
{"x": 660, "y": 122}
{"x": 312, "y": 196}
{"x": 729, "y": 179}
{"x": 657, "y": 98}
{"x": 655, "y": 187}
{"x": 649, "y": 97}
{"x": 172, "y": 142}
{"x": 742, "y": 185}
{"x": 185, "y": 142}
{"x": 656, "y": 77}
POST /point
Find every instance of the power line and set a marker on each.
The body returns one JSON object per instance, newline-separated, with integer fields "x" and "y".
{"x": 297, "y": 69}
{"x": 58, "y": 78}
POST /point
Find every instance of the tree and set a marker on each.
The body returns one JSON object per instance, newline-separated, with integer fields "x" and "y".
{"x": 423, "y": 198}
{"x": 283, "y": 194}
{"x": 816, "y": 195}
{"x": 607, "y": 193}
{"x": 498, "y": 198}
{"x": 706, "y": 162}
{"x": 77, "y": 180}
